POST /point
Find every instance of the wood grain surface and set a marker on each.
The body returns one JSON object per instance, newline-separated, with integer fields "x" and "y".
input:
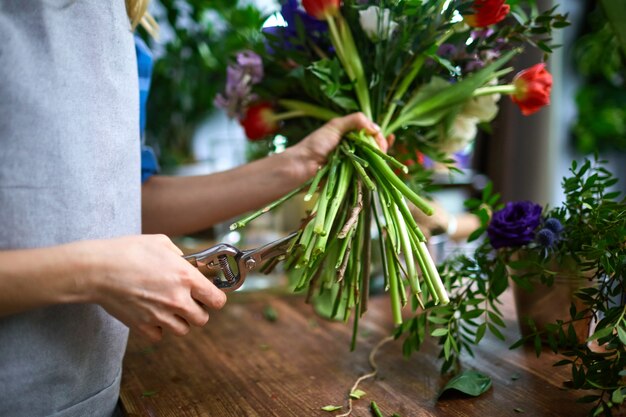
{"x": 241, "y": 364}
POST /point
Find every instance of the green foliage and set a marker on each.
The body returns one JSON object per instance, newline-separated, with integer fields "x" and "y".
{"x": 594, "y": 240}
{"x": 601, "y": 99}
{"x": 190, "y": 68}
{"x": 469, "y": 382}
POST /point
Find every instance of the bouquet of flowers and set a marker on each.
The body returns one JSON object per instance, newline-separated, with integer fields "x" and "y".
{"x": 426, "y": 71}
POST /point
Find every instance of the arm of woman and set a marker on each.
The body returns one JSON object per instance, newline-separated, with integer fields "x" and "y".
{"x": 179, "y": 205}
{"x": 141, "y": 280}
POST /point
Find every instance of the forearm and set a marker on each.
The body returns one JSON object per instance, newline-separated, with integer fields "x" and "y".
{"x": 179, "y": 205}
{"x": 34, "y": 278}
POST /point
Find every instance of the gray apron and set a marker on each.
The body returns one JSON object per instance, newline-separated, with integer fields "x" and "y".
{"x": 69, "y": 170}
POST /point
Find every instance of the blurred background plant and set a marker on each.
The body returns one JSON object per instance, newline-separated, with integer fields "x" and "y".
{"x": 197, "y": 40}
{"x": 600, "y": 54}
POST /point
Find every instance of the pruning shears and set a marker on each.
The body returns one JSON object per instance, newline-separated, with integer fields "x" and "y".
{"x": 235, "y": 264}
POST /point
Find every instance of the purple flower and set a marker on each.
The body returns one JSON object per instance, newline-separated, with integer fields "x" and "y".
{"x": 546, "y": 238}
{"x": 240, "y": 77}
{"x": 294, "y": 16}
{"x": 554, "y": 225}
{"x": 514, "y": 225}
{"x": 446, "y": 50}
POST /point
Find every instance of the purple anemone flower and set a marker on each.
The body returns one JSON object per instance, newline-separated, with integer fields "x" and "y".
{"x": 514, "y": 225}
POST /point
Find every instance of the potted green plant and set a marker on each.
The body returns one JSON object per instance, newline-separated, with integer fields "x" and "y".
{"x": 589, "y": 233}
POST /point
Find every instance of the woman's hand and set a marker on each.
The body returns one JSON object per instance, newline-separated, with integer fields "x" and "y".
{"x": 311, "y": 153}
{"x": 144, "y": 282}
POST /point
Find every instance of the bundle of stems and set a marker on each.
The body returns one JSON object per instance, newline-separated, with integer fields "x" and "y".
{"x": 355, "y": 190}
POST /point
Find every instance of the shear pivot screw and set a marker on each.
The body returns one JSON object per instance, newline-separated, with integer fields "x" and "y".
{"x": 250, "y": 264}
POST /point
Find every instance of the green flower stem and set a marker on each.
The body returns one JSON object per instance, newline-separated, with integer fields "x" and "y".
{"x": 288, "y": 115}
{"x": 404, "y": 85}
{"x": 375, "y": 410}
{"x": 367, "y": 145}
{"x": 391, "y": 227}
{"x": 309, "y": 109}
{"x": 425, "y": 271}
{"x": 323, "y": 198}
{"x": 360, "y": 170}
{"x": 366, "y": 253}
{"x": 345, "y": 147}
{"x": 382, "y": 235}
{"x": 250, "y": 217}
{"x": 406, "y": 213}
{"x": 315, "y": 183}
{"x": 495, "y": 89}
{"x": 405, "y": 241}
{"x": 339, "y": 195}
{"x": 396, "y": 309}
{"x": 440, "y": 290}
{"x": 343, "y": 42}
{"x": 345, "y": 242}
{"x": 393, "y": 179}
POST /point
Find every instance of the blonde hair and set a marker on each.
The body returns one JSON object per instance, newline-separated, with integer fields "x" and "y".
{"x": 137, "y": 11}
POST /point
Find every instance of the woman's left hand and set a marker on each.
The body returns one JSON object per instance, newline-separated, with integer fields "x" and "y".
{"x": 312, "y": 151}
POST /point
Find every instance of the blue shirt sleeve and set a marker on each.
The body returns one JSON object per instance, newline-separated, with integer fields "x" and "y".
{"x": 149, "y": 163}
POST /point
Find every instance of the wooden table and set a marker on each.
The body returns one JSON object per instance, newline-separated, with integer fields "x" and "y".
{"x": 243, "y": 365}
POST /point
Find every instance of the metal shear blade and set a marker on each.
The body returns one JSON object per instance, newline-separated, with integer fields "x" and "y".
{"x": 215, "y": 259}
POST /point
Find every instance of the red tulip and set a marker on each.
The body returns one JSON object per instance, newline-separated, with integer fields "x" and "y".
{"x": 321, "y": 9}
{"x": 487, "y": 12}
{"x": 532, "y": 89}
{"x": 259, "y": 121}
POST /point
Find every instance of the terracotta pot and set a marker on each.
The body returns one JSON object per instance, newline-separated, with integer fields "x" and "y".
{"x": 546, "y": 304}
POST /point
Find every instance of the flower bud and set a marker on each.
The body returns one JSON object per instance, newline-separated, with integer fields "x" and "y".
{"x": 532, "y": 89}
{"x": 487, "y": 12}
{"x": 321, "y": 9}
{"x": 259, "y": 121}
{"x": 377, "y": 23}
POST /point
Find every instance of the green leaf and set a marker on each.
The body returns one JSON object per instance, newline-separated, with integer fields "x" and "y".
{"x": 270, "y": 314}
{"x": 357, "y": 394}
{"x": 149, "y": 394}
{"x": 618, "y": 396}
{"x": 518, "y": 410}
{"x": 332, "y": 407}
{"x": 622, "y": 335}
{"x": 442, "y": 331}
{"x": 480, "y": 332}
{"x": 600, "y": 333}
{"x": 471, "y": 382}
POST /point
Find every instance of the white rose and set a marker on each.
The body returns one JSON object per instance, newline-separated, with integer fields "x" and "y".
{"x": 462, "y": 131}
{"x": 377, "y": 23}
{"x": 485, "y": 108}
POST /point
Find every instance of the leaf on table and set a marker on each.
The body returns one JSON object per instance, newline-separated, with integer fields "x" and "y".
{"x": 149, "y": 393}
{"x": 332, "y": 407}
{"x": 518, "y": 410}
{"x": 357, "y": 394}
{"x": 471, "y": 383}
{"x": 270, "y": 314}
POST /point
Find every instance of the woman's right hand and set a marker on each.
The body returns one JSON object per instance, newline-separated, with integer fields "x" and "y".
{"x": 145, "y": 283}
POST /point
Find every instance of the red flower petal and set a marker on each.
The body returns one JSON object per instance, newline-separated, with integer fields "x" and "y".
{"x": 259, "y": 121}
{"x": 320, "y": 9}
{"x": 487, "y": 12}
{"x": 533, "y": 86}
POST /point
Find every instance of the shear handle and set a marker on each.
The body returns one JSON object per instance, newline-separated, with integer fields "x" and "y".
{"x": 215, "y": 259}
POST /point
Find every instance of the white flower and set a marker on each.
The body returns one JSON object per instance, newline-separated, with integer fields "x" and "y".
{"x": 377, "y": 23}
{"x": 485, "y": 108}
{"x": 462, "y": 131}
